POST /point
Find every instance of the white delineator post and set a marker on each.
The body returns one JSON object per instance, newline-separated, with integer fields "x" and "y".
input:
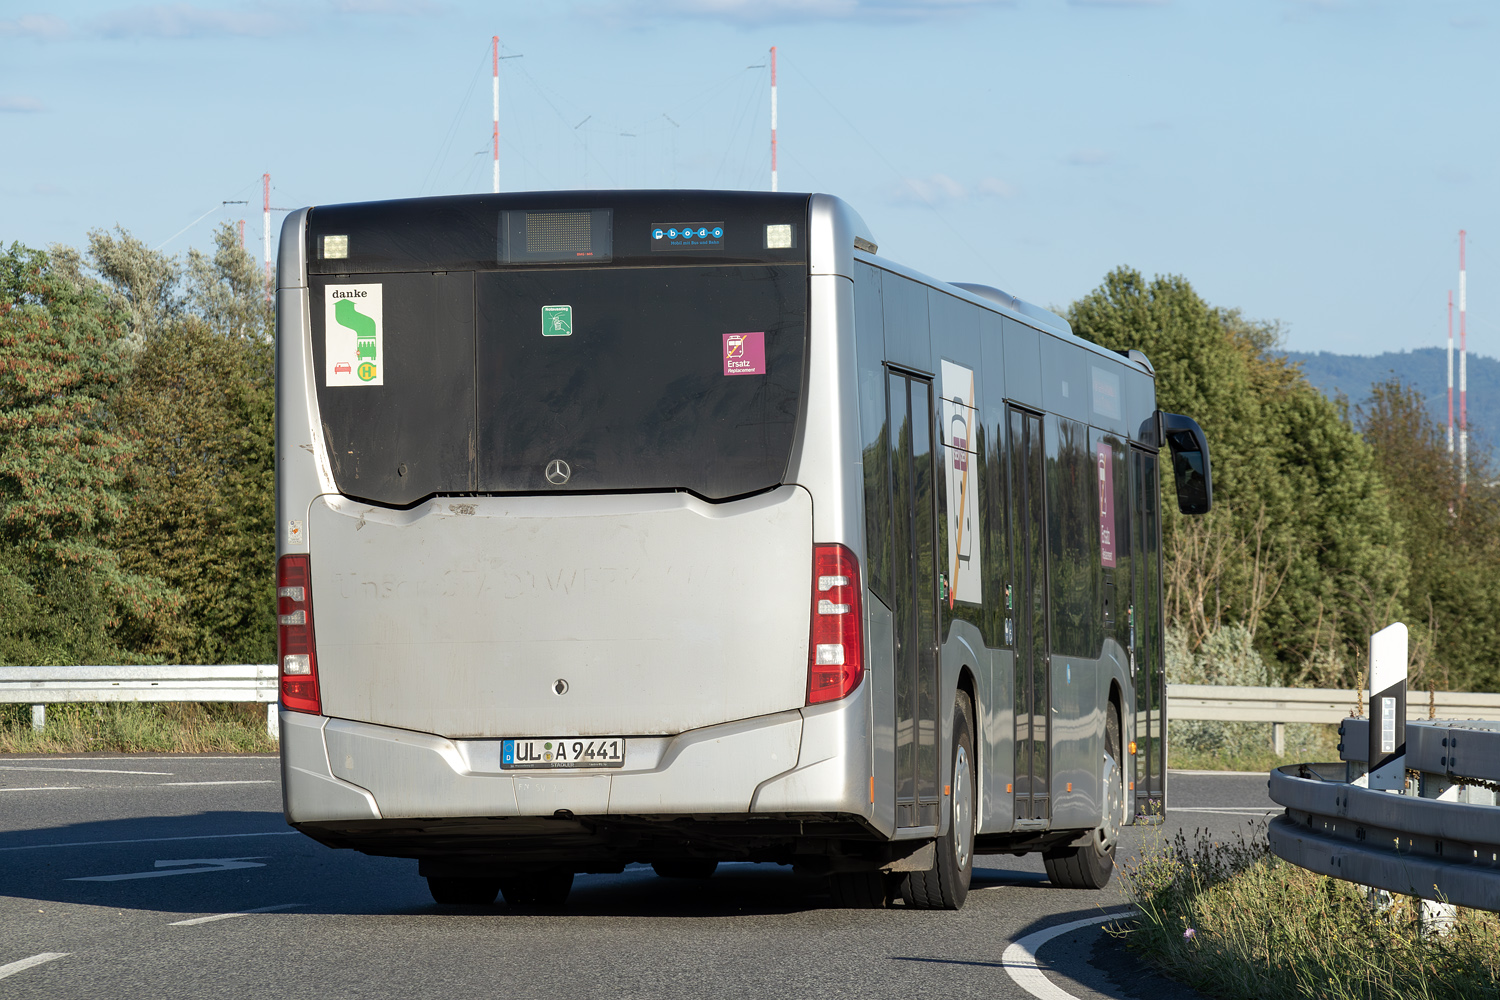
{"x": 1387, "y": 753}
{"x": 495, "y": 90}
{"x": 267, "y": 233}
{"x": 1463, "y": 366}
{"x": 773, "y": 118}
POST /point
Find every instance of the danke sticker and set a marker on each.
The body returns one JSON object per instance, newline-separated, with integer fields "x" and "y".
{"x": 354, "y": 339}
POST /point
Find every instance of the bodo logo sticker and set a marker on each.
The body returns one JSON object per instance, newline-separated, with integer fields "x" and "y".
{"x": 745, "y": 353}
{"x": 354, "y": 329}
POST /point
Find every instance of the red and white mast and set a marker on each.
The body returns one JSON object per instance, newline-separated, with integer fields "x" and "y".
{"x": 495, "y": 90}
{"x": 1450, "y": 371}
{"x": 267, "y": 233}
{"x": 1463, "y": 365}
{"x": 773, "y": 118}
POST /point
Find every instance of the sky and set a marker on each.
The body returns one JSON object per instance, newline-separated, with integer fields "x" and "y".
{"x": 1305, "y": 161}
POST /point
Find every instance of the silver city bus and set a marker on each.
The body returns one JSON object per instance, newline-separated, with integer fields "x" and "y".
{"x": 681, "y": 527}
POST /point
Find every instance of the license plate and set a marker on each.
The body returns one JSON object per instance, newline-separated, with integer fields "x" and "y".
{"x": 572, "y": 752}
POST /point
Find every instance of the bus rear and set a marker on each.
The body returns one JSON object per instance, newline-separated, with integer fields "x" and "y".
{"x": 548, "y": 592}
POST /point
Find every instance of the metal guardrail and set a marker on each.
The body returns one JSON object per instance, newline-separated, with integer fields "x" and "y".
{"x": 40, "y": 686}
{"x": 1438, "y": 839}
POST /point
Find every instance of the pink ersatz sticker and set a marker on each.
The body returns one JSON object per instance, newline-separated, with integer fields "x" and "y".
{"x": 745, "y": 353}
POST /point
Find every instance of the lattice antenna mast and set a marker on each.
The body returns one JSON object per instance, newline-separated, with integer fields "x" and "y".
{"x": 1450, "y": 372}
{"x": 773, "y": 118}
{"x": 1463, "y": 365}
{"x": 267, "y": 233}
{"x": 495, "y": 90}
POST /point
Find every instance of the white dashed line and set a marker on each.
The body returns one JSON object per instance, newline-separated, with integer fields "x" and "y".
{"x": 237, "y": 913}
{"x": 193, "y": 784}
{"x": 45, "y": 788}
{"x": 1020, "y": 958}
{"x": 82, "y": 770}
{"x": 1228, "y": 810}
{"x": 150, "y": 840}
{"x": 26, "y": 963}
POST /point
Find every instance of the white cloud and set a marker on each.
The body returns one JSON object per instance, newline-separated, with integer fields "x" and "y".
{"x": 17, "y": 104}
{"x": 1088, "y": 158}
{"x": 928, "y": 190}
{"x": 185, "y": 20}
{"x": 996, "y": 188}
{"x": 44, "y": 26}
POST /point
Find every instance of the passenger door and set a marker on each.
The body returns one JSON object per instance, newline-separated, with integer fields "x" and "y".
{"x": 1033, "y": 691}
{"x": 914, "y": 588}
{"x": 1146, "y": 640}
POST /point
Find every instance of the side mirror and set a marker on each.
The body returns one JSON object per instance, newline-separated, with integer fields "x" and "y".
{"x": 1190, "y": 465}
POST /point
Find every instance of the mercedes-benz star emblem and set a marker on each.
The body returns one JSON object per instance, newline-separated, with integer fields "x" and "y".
{"x": 558, "y": 472}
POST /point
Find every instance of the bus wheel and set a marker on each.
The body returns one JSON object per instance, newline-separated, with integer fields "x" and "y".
{"x": 946, "y": 885}
{"x": 685, "y": 867}
{"x": 544, "y": 889}
{"x": 1090, "y": 866}
{"x": 462, "y": 891}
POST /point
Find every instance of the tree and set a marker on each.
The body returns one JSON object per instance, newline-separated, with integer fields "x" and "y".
{"x": 62, "y": 463}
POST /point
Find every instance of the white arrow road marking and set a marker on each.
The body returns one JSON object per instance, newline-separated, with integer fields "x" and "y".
{"x": 236, "y": 913}
{"x": 1020, "y": 958}
{"x": 26, "y": 963}
{"x": 82, "y": 770}
{"x": 214, "y": 865}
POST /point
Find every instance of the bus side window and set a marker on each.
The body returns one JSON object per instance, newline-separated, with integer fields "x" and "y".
{"x": 874, "y": 433}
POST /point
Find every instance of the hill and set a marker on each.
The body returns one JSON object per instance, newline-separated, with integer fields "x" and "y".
{"x": 1424, "y": 369}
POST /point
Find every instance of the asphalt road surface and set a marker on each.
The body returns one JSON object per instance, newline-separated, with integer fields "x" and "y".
{"x": 126, "y": 876}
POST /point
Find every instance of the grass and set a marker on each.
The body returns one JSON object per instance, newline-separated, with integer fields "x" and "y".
{"x": 1237, "y": 923}
{"x": 1305, "y": 742}
{"x": 137, "y": 727}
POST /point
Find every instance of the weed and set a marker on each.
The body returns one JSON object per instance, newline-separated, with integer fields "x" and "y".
{"x": 136, "y": 727}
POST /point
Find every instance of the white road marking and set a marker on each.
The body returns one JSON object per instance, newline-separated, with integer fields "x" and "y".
{"x": 186, "y": 784}
{"x": 166, "y": 868}
{"x": 1226, "y": 774}
{"x": 148, "y": 840}
{"x": 1020, "y": 958}
{"x": 237, "y": 913}
{"x": 82, "y": 770}
{"x": 269, "y": 758}
{"x": 45, "y": 788}
{"x": 26, "y": 963}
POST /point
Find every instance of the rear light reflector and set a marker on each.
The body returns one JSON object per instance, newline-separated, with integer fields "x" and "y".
{"x": 295, "y": 650}
{"x": 836, "y": 658}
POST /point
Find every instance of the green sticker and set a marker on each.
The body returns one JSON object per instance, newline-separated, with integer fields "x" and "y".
{"x": 557, "y": 321}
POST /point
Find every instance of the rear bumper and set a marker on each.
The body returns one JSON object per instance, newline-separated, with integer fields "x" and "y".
{"x": 388, "y": 790}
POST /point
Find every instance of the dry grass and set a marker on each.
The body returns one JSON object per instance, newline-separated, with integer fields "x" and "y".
{"x": 1236, "y": 922}
{"x": 136, "y": 727}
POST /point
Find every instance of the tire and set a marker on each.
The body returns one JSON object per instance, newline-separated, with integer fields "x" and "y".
{"x": 543, "y": 889}
{"x": 1090, "y": 866}
{"x": 860, "y": 890}
{"x": 462, "y": 891}
{"x": 946, "y": 885}
{"x": 685, "y": 867}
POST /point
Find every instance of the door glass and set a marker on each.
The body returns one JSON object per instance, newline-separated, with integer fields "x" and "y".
{"x": 902, "y": 597}
{"x": 1036, "y": 517}
{"x": 924, "y": 538}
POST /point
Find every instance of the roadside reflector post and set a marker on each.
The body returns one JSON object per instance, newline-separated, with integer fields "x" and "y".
{"x": 39, "y": 717}
{"x": 273, "y": 720}
{"x": 1387, "y": 754}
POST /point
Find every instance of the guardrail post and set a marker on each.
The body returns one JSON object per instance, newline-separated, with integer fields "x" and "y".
{"x": 1387, "y": 753}
{"x": 38, "y": 717}
{"x": 1437, "y": 918}
{"x": 273, "y": 720}
{"x": 1278, "y": 738}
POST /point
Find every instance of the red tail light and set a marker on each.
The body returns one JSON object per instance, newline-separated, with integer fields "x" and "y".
{"x": 835, "y": 659}
{"x": 297, "y": 655}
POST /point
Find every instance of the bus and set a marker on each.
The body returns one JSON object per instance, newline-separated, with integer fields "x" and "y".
{"x": 682, "y": 528}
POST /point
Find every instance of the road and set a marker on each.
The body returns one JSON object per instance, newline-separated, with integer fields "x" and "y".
{"x": 138, "y": 876}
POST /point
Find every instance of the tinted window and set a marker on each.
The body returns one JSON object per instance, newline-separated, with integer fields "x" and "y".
{"x": 874, "y": 431}
{"x": 635, "y": 396}
{"x": 408, "y": 431}
{"x": 1072, "y": 538}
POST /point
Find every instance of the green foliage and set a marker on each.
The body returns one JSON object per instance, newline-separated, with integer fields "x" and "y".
{"x": 1453, "y": 539}
{"x": 63, "y": 461}
{"x": 1236, "y": 922}
{"x": 1302, "y": 549}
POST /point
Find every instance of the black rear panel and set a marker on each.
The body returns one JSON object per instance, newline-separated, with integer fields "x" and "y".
{"x": 629, "y": 340}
